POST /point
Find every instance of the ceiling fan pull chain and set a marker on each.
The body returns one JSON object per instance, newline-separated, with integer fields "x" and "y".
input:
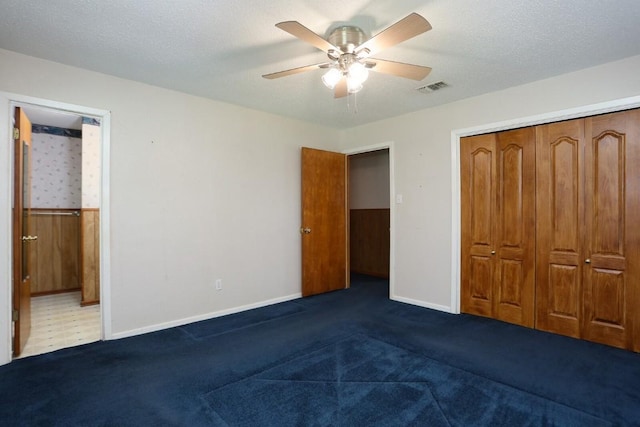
{"x": 352, "y": 107}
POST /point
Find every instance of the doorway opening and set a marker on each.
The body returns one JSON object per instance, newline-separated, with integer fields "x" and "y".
{"x": 370, "y": 214}
{"x": 64, "y": 198}
{"x": 326, "y": 217}
{"x": 67, "y": 190}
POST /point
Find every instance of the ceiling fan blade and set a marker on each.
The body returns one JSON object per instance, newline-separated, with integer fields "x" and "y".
{"x": 295, "y": 70}
{"x": 341, "y": 89}
{"x": 303, "y": 33}
{"x": 400, "y": 69}
{"x": 404, "y": 29}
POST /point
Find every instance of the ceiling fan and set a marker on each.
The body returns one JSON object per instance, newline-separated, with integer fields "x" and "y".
{"x": 349, "y": 53}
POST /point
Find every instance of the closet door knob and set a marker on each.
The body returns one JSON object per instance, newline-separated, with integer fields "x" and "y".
{"x": 493, "y": 252}
{"x": 587, "y": 261}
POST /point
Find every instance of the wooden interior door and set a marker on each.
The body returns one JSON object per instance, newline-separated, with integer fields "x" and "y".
{"x": 514, "y": 283}
{"x": 560, "y": 226}
{"x": 324, "y": 221}
{"x": 478, "y": 204}
{"x": 22, "y": 236}
{"x": 612, "y": 238}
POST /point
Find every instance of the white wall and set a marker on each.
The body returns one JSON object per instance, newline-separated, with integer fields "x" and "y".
{"x": 199, "y": 190}
{"x": 424, "y": 222}
{"x": 369, "y": 180}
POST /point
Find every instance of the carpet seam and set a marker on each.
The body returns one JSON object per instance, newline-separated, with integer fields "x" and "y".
{"x": 205, "y": 337}
{"x": 284, "y": 361}
{"x": 494, "y": 380}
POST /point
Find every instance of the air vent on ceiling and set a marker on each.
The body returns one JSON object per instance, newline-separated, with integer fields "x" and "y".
{"x": 432, "y": 87}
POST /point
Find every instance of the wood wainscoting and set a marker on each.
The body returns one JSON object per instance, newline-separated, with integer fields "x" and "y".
{"x": 90, "y": 255}
{"x": 55, "y": 259}
{"x": 369, "y": 241}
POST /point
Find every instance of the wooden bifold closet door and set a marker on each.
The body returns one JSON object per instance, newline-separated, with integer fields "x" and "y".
{"x": 560, "y": 220}
{"x": 498, "y": 213}
{"x": 588, "y": 228}
{"x": 580, "y": 218}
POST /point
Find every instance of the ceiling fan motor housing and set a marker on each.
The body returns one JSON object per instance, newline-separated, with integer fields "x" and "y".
{"x": 347, "y": 38}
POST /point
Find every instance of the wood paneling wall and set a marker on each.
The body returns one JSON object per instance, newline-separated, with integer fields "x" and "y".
{"x": 90, "y": 237}
{"x": 55, "y": 257}
{"x": 369, "y": 241}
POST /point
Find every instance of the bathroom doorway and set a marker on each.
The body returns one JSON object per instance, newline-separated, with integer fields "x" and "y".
{"x": 63, "y": 246}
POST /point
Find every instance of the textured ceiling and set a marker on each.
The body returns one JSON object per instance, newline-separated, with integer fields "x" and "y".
{"x": 219, "y": 49}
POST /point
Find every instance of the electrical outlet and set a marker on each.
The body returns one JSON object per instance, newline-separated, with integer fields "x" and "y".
{"x": 218, "y": 284}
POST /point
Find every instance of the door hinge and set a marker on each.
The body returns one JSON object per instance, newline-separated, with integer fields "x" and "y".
{"x": 16, "y": 133}
{"x": 15, "y": 316}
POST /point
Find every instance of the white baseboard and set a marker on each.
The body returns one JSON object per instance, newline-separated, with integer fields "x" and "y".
{"x": 206, "y": 316}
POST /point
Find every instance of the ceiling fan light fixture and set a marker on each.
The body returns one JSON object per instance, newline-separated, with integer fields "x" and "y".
{"x": 358, "y": 72}
{"x": 331, "y": 78}
{"x": 353, "y": 85}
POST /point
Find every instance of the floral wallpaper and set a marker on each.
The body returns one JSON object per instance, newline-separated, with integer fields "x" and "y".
{"x": 56, "y": 171}
{"x": 65, "y": 166}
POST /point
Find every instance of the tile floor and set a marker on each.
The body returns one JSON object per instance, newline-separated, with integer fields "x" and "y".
{"x": 58, "y": 321}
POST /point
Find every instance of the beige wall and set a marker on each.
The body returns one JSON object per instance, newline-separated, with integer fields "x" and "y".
{"x": 369, "y": 180}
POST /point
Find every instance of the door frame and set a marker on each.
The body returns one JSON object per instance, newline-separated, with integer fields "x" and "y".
{"x": 392, "y": 209}
{"x": 8, "y": 102}
{"x": 456, "y": 134}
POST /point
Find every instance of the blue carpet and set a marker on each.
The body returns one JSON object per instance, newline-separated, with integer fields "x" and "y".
{"x": 349, "y": 357}
{"x": 360, "y": 381}
{"x": 250, "y": 318}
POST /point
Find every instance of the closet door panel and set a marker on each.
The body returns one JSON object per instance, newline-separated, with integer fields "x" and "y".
{"x": 478, "y": 175}
{"x": 564, "y": 302}
{"x": 480, "y": 283}
{"x": 515, "y": 218}
{"x": 511, "y": 283}
{"x": 608, "y": 298}
{"x": 560, "y": 217}
{"x": 611, "y": 274}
